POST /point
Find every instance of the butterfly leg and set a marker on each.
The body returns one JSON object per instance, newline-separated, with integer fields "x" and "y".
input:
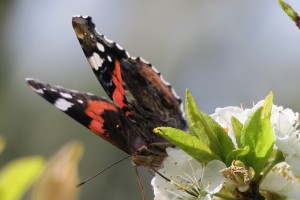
{"x": 138, "y": 177}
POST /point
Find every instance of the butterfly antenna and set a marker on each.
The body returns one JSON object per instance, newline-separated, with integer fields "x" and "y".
{"x": 101, "y": 171}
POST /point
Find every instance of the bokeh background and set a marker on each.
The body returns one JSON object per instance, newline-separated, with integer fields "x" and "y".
{"x": 225, "y": 52}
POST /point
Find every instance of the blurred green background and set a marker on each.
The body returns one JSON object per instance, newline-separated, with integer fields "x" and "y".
{"x": 225, "y": 52}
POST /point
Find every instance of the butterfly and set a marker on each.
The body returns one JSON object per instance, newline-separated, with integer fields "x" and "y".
{"x": 140, "y": 98}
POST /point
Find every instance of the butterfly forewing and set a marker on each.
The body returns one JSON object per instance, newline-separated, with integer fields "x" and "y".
{"x": 133, "y": 84}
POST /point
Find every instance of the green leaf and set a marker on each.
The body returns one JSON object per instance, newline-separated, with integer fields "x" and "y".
{"x": 237, "y": 129}
{"x": 190, "y": 144}
{"x": 258, "y": 135}
{"x": 198, "y": 126}
{"x": 237, "y": 154}
{"x": 224, "y": 141}
{"x": 264, "y": 145}
{"x": 17, "y": 176}
{"x": 251, "y": 130}
{"x": 207, "y": 130}
{"x": 194, "y": 119}
{"x": 267, "y": 106}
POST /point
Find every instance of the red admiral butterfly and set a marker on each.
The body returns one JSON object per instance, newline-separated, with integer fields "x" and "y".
{"x": 141, "y": 99}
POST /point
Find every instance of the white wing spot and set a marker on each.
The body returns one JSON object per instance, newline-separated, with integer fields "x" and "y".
{"x": 109, "y": 58}
{"x": 40, "y": 91}
{"x": 53, "y": 90}
{"x": 100, "y": 47}
{"x": 63, "y": 104}
{"x": 95, "y": 61}
{"x": 91, "y": 35}
{"x": 66, "y": 95}
{"x": 90, "y": 94}
{"x": 80, "y": 101}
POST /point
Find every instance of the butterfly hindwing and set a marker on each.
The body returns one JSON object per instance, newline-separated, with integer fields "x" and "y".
{"x": 96, "y": 113}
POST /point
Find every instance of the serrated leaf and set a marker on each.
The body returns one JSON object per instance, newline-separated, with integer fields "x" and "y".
{"x": 237, "y": 127}
{"x": 198, "y": 126}
{"x": 250, "y": 136}
{"x": 237, "y": 154}
{"x": 266, "y": 140}
{"x": 265, "y": 144}
{"x": 251, "y": 130}
{"x": 207, "y": 130}
{"x": 194, "y": 118}
{"x": 18, "y": 175}
{"x": 224, "y": 141}
{"x": 188, "y": 143}
{"x": 258, "y": 135}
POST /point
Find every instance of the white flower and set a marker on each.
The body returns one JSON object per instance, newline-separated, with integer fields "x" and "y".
{"x": 284, "y": 122}
{"x": 188, "y": 178}
{"x": 282, "y": 181}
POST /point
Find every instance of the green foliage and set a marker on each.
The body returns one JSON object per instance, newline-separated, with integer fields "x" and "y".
{"x": 17, "y": 176}
{"x": 196, "y": 122}
{"x": 258, "y": 135}
{"x": 188, "y": 143}
{"x": 224, "y": 142}
{"x": 207, "y": 140}
{"x": 237, "y": 129}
